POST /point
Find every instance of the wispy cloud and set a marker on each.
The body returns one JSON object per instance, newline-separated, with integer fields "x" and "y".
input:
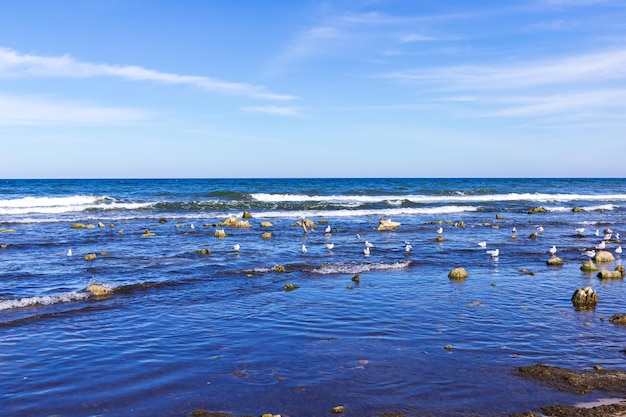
{"x": 14, "y": 64}
{"x": 36, "y": 111}
{"x": 275, "y": 110}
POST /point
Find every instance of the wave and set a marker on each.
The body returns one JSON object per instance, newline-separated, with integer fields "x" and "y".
{"x": 60, "y": 205}
{"x": 426, "y": 199}
{"x": 44, "y": 300}
{"x": 357, "y": 268}
{"x": 392, "y": 212}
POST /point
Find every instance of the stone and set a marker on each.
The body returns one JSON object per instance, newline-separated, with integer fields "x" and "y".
{"x": 618, "y": 319}
{"x": 604, "y": 274}
{"x": 577, "y": 209}
{"x": 555, "y": 261}
{"x": 99, "y": 290}
{"x": 603, "y": 256}
{"x": 533, "y": 235}
{"x": 356, "y": 278}
{"x": 499, "y": 217}
{"x": 206, "y": 251}
{"x": 458, "y": 274}
{"x": 233, "y": 221}
{"x": 267, "y": 224}
{"x": 100, "y": 224}
{"x": 338, "y": 409}
{"x": 585, "y": 298}
{"x": 147, "y": 232}
{"x": 588, "y": 266}
{"x": 77, "y": 226}
{"x": 266, "y": 235}
{"x": 90, "y": 226}
{"x": 387, "y": 224}
{"x": 535, "y": 210}
{"x": 246, "y": 215}
{"x": 621, "y": 270}
{"x": 89, "y": 257}
{"x": 162, "y": 220}
{"x": 220, "y": 233}
{"x": 439, "y": 238}
{"x": 290, "y": 287}
{"x": 460, "y": 224}
{"x": 279, "y": 268}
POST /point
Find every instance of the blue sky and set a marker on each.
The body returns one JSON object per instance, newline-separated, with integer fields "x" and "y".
{"x": 132, "y": 88}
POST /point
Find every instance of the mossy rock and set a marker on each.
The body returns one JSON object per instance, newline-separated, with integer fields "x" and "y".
{"x": 267, "y": 224}
{"x": 618, "y": 319}
{"x": 90, "y": 226}
{"x": 588, "y": 266}
{"x": 458, "y": 274}
{"x": 220, "y": 233}
{"x": 290, "y": 287}
{"x": 77, "y": 226}
{"x": 266, "y": 235}
{"x": 206, "y": 251}
{"x": 498, "y": 217}
{"x": 555, "y": 261}
{"x": 99, "y": 290}
{"x": 439, "y": 238}
{"x": 356, "y": 278}
{"x": 90, "y": 257}
{"x": 577, "y": 209}
{"x": 584, "y": 298}
{"x": 100, "y": 224}
{"x": 147, "y": 233}
{"x": 603, "y": 256}
{"x": 533, "y": 236}
{"x": 460, "y": 224}
{"x": 621, "y": 270}
{"x": 233, "y": 221}
{"x": 246, "y": 215}
{"x": 279, "y": 268}
{"x": 162, "y": 220}
{"x": 604, "y": 274}
{"x": 538, "y": 209}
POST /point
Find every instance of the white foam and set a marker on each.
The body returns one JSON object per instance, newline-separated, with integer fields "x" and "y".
{"x": 61, "y": 205}
{"x": 391, "y": 212}
{"x": 359, "y": 268}
{"x": 43, "y": 300}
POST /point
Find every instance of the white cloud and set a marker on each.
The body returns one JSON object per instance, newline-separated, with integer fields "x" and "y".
{"x": 276, "y": 110}
{"x": 13, "y": 64}
{"x": 36, "y": 111}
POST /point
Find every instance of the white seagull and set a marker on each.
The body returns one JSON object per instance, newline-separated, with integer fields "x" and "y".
{"x": 303, "y": 248}
{"x": 358, "y": 236}
{"x": 597, "y": 233}
{"x": 366, "y": 251}
{"x": 494, "y": 253}
{"x": 601, "y": 245}
{"x": 589, "y": 253}
{"x": 69, "y": 252}
{"x": 369, "y": 245}
{"x": 192, "y": 226}
{"x": 552, "y": 250}
{"x": 482, "y": 244}
{"x": 328, "y": 229}
{"x": 440, "y": 230}
{"x": 540, "y": 229}
{"x": 618, "y": 249}
{"x": 580, "y": 230}
{"x": 514, "y": 230}
{"x": 236, "y": 247}
{"x": 329, "y": 245}
{"x": 407, "y": 247}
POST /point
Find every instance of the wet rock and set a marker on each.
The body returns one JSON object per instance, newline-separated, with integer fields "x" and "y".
{"x": 603, "y": 256}
{"x": 246, "y": 215}
{"x": 577, "y": 209}
{"x": 555, "y": 261}
{"x": 458, "y": 274}
{"x": 220, "y": 233}
{"x": 338, "y": 409}
{"x": 356, "y": 278}
{"x": 439, "y": 238}
{"x": 266, "y": 235}
{"x": 100, "y": 224}
{"x": 99, "y": 290}
{"x": 8, "y": 231}
{"x": 585, "y": 298}
{"x": 621, "y": 270}
{"x": 582, "y": 382}
{"x": 291, "y": 287}
{"x": 90, "y": 226}
{"x": 387, "y": 224}
{"x": 206, "y": 251}
{"x": 527, "y": 272}
{"x": 499, "y": 217}
{"x": 233, "y": 221}
{"x": 604, "y": 274}
{"x": 533, "y": 236}
{"x": 77, "y": 226}
{"x": 448, "y": 347}
{"x": 163, "y": 220}
{"x": 147, "y": 232}
{"x": 204, "y": 413}
{"x": 460, "y": 224}
{"x": 588, "y": 266}
{"x": 279, "y": 268}
{"x": 535, "y": 210}
{"x": 609, "y": 410}
{"x": 89, "y": 257}
{"x": 266, "y": 224}
{"x": 618, "y": 319}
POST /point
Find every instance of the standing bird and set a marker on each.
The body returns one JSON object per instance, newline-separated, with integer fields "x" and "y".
{"x": 366, "y": 251}
{"x": 69, "y": 252}
{"x": 328, "y": 229}
{"x": 440, "y": 230}
{"x": 494, "y": 253}
{"x": 368, "y": 244}
{"x": 597, "y": 233}
{"x": 192, "y": 226}
{"x": 552, "y": 250}
{"x": 407, "y": 246}
{"x": 589, "y": 253}
{"x": 601, "y": 245}
{"x": 618, "y": 249}
{"x": 580, "y": 231}
{"x": 236, "y": 247}
{"x": 303, "y": 248}
{"x": 540, "y": 229}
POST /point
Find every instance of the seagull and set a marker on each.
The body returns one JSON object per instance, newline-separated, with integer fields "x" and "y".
{"x": 617, "y": 236}
{"x": 236, "y": 247}
{"x": 192, "y": 226}
{"x": 601, "y": 245}
{"x": 608, "y": 236}
{"x": 552, "y": 250}
{"x": 369, "y": 245}
{"x": 580, "y": 230}
{"x": 358, "y": 236}
{"x": 303, "y": 248}
{"x": 494, "y": 253}
{"x": 589, "y": 253}
{"x": 328, "y": 229}
{"x": 540, "y": 229}
{"x": 440, "y": 230}
{"x": 597, "y": 233}
{"x": 69, "y": 252}
{"x": 514, "y": 230}
{"x": 366, "y": 251}
{"x": 407, "y": 247}
{"x": 482, "y": 244}
{"x": 329, "y": 245}
{"x": 618, "y": 249}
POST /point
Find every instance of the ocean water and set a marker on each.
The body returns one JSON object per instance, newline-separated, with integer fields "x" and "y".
{"x": 183, "y": 330}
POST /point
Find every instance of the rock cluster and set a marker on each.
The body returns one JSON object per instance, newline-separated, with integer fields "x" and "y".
{"x": 585, "y": 298}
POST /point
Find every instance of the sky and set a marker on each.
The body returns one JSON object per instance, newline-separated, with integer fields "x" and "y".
{"x": 299, "y": 89}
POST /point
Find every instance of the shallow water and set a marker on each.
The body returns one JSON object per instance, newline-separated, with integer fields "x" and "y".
{"x": 183, "y": 331}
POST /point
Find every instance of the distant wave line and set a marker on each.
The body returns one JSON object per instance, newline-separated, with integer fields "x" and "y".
{"x": 43, "y": 300}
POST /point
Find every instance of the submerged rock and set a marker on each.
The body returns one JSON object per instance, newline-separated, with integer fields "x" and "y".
{"x": 604, "y": 274}
{"x": 458, "y": 274}
{"x": 267, "y": 224}
{"x": 266, "y": 235}
{"x": 618, "y": 319}
{"x": 77, "y": 226}
{"x": 439, "y": 238}
{"x": 290, "y": 287}
{"x": 279, "y": 268}
{"x": 588, "y": 266}
{"x": 89, "y": 257}
{"x": 537, "y": 210}
{"x": 387, "y": 224}
{"x": 584, "y": 298}
{"x": 206, "y": 251}
{"x": 582, "y": 382}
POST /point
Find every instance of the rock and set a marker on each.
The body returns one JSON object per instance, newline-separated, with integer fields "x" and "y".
{"x": 621, "y": 270}
{"x": 246, "y": 215}
{"x": 233, "y": 221}
{"x": 577, "y": 209}
{"x": 99, "y": 290}
{"x": 535, "y": 210}
{"x": 498, "y": 217}
{"x": 603, "y": 256}
{"x": 533, "y": 235}
{"x": 439, "y": 238}
{"x": 100, "y": 224}
{"x": 604, "y": 274}
{"x": 77, "y": 226}
{"x": 8, "y": 231}
{"x": 89, "y": 257}
{"x": 460, "y": 224}
{"x": 588, "y": 266}
{"x": 147, "y": 232}
{"x": 90, "y": 226}
{"x": 448, "y": 347}
{"x": 555, "y": 261}
{"x": 267, "y": 224}
{"x": 585, "y": 298}
{"x": 581, "y": 383}
{"x": 338, "y": 409}
{"x": 356, "y": 278}
{"x": 206, "y": 251}
{"x": 527, "y": 272}
{"x": 290, "y": 287}
{"x": 220, "y": 233}
{"x": 385, "y": 224}
{"x": 618, "y": 319}
{"x": 266, "y": 235}
{"x": 279, "y": 268}
{"x": 458, "y": 274}
{"x": 162, "y": 220}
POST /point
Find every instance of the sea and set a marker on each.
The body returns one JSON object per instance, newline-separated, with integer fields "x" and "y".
{"x": 188, "y": 321}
